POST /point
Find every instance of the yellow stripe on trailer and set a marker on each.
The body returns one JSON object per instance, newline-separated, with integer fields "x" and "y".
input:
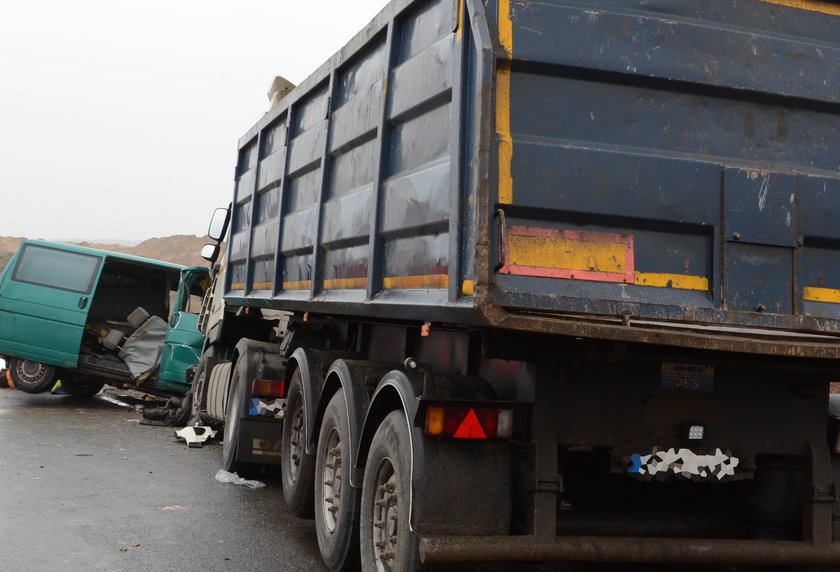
{"x": 422, "y": 281}
{"x": 810, "y": 5}
{"x": 297, "y": 285}
{"x": 503, "y": 105}
{"x": 814, "y": 294}
{"x": 468, "y": 288}
{"x": 345, "y": 283}
{"x": 665, "y": 280}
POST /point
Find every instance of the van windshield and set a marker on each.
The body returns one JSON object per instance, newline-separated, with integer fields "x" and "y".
{"x": 56, "y": 268}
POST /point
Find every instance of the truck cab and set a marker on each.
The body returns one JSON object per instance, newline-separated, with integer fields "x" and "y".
{"x": 88, "y": 317}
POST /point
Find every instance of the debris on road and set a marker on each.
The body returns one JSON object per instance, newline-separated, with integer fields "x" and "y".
{"x": 195, "y": 436}
{"x": 224, "y": 476}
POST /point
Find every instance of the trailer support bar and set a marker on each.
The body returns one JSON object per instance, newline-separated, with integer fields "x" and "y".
{"x": 459, "y": 549}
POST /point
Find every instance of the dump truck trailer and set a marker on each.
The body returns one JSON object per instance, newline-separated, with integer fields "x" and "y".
{"x": 562, "y": 283}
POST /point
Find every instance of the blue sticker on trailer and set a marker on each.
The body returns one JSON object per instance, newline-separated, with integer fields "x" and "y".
{"x": 266, "y": 408}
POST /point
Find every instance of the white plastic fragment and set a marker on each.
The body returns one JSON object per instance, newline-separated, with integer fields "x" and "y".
{"x": 195, "y": 436}
{"x": 224, "y": 476}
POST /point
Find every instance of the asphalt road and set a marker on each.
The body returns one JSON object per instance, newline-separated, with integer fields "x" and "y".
{"x": 84, "y": 486}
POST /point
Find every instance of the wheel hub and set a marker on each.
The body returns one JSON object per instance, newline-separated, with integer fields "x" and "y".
{"x": 385, "y": 525}
{"x": 332, "y": 481}
{"x": 296, "y": 441}
{"x": 30, "y": 371}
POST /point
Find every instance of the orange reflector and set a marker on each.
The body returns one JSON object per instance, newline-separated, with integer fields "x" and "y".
{"x": 434, "y": 420}
{"x": 468, "y": 422}
{"x": 268, "y": 388}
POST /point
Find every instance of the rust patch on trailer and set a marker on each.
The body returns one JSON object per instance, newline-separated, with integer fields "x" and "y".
{"x": 660, "y": 333}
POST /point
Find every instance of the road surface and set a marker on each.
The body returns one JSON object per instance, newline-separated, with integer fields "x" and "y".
{"x": 84, "y": 486}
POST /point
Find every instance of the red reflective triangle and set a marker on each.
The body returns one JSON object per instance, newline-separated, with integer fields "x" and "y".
{"x": 470, "y": 428}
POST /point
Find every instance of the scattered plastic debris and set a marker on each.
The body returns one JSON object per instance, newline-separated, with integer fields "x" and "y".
{"x": 110, "y": 399}
{"x": 195, "y": 436}
{"x": 173, "y": 507}
{"x": 224, "y": 476}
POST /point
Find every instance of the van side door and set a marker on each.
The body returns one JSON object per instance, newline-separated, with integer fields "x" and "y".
{"x": 44, "y": 303}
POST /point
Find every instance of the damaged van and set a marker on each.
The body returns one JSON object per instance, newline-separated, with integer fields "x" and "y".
{"x": 89, "y": 317}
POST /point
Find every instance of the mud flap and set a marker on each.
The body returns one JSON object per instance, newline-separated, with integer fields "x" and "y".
{"x": 259, "y": 441}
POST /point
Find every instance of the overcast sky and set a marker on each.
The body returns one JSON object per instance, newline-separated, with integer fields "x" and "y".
{"x": 119, "y": 119}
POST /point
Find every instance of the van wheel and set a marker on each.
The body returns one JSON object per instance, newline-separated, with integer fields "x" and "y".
{"x": 386, "y": 540}
{"x": 297, "y": 466}
{"x": 31, "y": 376}
{"x": 82, "y": 386}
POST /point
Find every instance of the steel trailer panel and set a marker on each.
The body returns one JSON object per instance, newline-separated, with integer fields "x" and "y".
{"x": 569, "y": 167}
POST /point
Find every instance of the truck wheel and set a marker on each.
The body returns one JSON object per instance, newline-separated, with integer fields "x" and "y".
{"x": 82, "y": 386}
{"x": 31, "y": 376}
{"x": 386, "y": 540}
{"x": 200, "y": 381}
{"x": 297, "y": 467}
{"x": 336, "y": 502}
{"x": 233, "y": 418}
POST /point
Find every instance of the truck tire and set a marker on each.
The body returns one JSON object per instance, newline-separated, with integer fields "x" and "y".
{"x": 31, "y": 376}
{"x": 386, "y": 540}
{"x": 236, "y": 407}
{"x": 336, "y": 502}
{"x": 297, "y": 467}
{"x": 218, "y": 390}
{"x": 82, "y": 386}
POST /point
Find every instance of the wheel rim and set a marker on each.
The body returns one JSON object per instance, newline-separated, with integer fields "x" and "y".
{"x": 385, "y": 524}
{"x": 31, "y": 371}
{"x": 331, "y": 486}
{"x": 296, "y": 441}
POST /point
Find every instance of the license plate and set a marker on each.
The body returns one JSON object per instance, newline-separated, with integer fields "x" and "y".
{"x": 684, "y": 463}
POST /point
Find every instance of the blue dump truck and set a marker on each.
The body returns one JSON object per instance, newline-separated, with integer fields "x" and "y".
{"x": 562, "y": 282}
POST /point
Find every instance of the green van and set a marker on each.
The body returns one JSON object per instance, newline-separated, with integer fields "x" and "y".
{"x": 90, "y": 317}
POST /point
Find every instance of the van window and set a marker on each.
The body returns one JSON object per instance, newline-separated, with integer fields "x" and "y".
{"x": 56, "y": 268}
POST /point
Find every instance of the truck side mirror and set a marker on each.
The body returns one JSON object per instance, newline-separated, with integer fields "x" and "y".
{"x": 210, "y": 252}
{"x": 218, "y": 224}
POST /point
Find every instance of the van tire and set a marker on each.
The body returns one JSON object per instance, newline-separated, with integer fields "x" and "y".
{"x": 31, "y": 376}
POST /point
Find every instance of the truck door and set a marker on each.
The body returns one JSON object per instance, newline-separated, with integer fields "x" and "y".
{"x": 183, "y": 342}
{"x": 44, "y": 303}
